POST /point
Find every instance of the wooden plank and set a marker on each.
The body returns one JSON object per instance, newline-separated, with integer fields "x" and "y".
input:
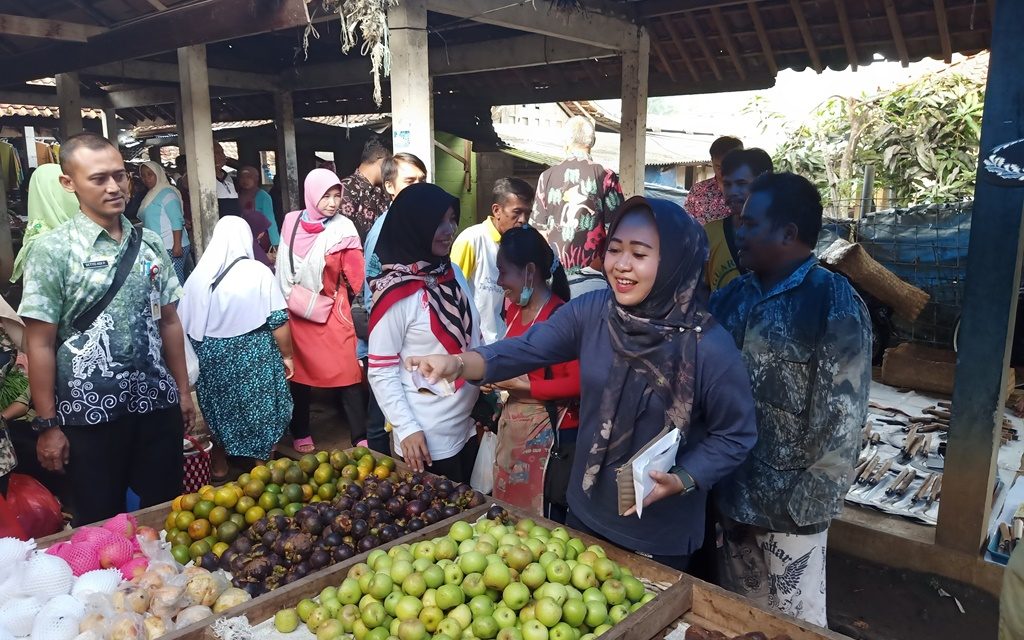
{"x": 412, "y": 99}
{"x": 662, "y": 8}
{"x": 69, "y": 100}
{"x": 190, "y": 24}
{"x": 728, "y": 610}
{"x": 897, "y": 32}
{"x": 287, "y": 155}
{"x": 666, "y": 64}
{"x": 149, "y": 517}
{"x": 844, "y": 28}
{"x": 27, "y": 27}
{"x": 599, "y": 30}
{"x": 990, "y": 301}
{"x": 198, "y": 134}
{"x": 702, "y": 42}
{"x": 762, "y": 36}
{"x": 633, "y": 129}
{"x": 942, "y": 24}
{"x": 110, "y": 129}
{"x": 677, "y": 40}
{"x": 805, "y": 32}
{"x": 168, "y": 72}
{"x": 725, "y": 35}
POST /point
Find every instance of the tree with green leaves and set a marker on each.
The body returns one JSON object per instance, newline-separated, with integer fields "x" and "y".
{"x": 922, "y": 139}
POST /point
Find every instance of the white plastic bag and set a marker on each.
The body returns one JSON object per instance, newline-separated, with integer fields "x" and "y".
{"x": 191, "y": 361}
{"x": 482, "y": 478}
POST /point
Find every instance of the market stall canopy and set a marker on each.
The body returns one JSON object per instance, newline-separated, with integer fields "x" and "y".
{"x": 481, "y": 51}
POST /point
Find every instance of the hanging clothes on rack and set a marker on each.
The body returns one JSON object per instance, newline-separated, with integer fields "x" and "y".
{"x": 44, "y": 154}
{"x": 10, "y": 166}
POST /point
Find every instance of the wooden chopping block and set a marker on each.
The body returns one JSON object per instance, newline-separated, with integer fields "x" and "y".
{"x": 852, "y": 260}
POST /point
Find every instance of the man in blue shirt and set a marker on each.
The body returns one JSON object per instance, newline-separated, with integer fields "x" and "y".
{"x": 805, "y": 335}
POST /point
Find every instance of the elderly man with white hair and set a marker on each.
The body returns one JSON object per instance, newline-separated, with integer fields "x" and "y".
{"x": 575, "y": 200}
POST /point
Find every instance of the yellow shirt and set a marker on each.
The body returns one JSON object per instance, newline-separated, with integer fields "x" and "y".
{"x": 475, "y": 253}
{"x": 721, "y": 268}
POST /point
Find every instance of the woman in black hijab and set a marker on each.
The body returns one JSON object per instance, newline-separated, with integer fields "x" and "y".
{"x": 421, "y": 305}
{"x": 651, "y": 359}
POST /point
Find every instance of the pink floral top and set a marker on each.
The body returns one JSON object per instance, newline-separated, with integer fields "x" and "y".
{"x": 706, "y": 202}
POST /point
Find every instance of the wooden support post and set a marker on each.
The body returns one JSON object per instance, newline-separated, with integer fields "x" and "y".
{"x": 198, "y": 137}
{"x": 990, "y": 298}
{"x": 412, "y": 100}
{"x": 633, "y": 132}
{"x": 69, "y": 101}
{"x": 286, "y": 154}
{"x": 762, "y": 36}
{"x": 110, "y": 128}
{"x": 844, "y": 28}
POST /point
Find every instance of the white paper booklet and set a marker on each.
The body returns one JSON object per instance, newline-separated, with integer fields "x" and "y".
{"x": 660, "y": 456}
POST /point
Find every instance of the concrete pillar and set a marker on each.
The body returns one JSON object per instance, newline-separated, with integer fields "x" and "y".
{"x": 69, "y": 100}
{"x": 197, "y": 134}
{"x": 633, "y": 131}
{"x": 110, "y": 126}
{"x": 287, "y": 153}
{"x": 412, "y": 100}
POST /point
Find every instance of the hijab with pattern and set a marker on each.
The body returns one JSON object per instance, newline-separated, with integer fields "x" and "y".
{"x": 49, "y": 206}
{"x": 408, "y": 265}
{"x": 654, "y": 344}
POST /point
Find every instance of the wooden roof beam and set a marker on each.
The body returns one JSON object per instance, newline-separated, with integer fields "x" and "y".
{"x": 48, "y": 29}
{"x": 492, "y": 55}
{"x": 662, "y": 8}
{"x": 599, "y": 30}
{"x": 730, "y": 45}
{"x": 844, "y": 28}
{"x": 897, "y": 32}
{"x": 805, "y": 31}
{"x": 762, "y": 36}
{"x": 188, "y": 24}
{"x": 677, "y": 40}
{"x": 942, "y": 24}
{"x": 659, "y": 50}
{"x": 168, "y": 72}
{"x": 702, "y": 42}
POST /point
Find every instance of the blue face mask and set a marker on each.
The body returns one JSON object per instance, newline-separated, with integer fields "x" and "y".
{"x": 526, "y": 293}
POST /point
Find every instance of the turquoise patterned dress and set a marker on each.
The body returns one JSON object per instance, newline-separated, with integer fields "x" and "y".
{"x": 242, "y": 390}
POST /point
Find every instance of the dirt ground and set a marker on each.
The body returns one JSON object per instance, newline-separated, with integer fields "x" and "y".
{"x": 866, "y": 601}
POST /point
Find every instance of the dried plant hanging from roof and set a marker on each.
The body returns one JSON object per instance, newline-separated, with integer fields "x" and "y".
{"x": 365, "y": 20}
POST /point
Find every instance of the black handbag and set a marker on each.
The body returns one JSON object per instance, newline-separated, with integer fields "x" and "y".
{"x": 556, "y": 476}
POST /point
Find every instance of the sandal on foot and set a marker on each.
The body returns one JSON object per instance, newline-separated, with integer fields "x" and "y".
{"x": 304, "y": 445}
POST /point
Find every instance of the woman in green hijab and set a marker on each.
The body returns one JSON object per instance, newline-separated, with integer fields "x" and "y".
{"x": 49, "y": 206}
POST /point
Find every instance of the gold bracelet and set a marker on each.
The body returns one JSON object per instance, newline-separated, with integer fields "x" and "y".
{"x": 462, "y": 366}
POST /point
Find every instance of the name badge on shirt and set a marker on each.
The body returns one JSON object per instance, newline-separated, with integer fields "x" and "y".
{"x": 96, "y": 264}
{"x": 154, "y": 304}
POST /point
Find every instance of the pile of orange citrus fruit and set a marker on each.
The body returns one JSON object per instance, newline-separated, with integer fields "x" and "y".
{"x": 210, "y": 519}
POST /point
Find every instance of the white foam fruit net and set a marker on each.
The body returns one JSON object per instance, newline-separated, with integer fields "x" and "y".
{"x": 46, "y": 576}
{"x": 58, "y": 619}
{"x": 13, "y": 550}
{"x": 102, "y": 581}
{"x": 17, "y": 615}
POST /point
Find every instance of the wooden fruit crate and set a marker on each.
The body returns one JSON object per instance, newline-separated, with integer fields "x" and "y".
{"x": 680, "y": 598}
{"x": 155, "y": 515}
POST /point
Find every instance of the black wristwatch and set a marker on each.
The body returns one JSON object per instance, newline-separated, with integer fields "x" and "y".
{"x": 689, "y": 484}
{"x": 40, "y": 425}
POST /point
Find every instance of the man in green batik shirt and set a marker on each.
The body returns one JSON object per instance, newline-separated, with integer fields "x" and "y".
{"x": 112, "y": 400}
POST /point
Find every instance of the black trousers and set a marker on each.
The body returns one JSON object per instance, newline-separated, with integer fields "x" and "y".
{"x": 352, "y": 403}
{"x": 143, "y": 452}
{"x": 376, "y": 436}
{"x": 459, "y": 467}
{"x": 679, "y": 563}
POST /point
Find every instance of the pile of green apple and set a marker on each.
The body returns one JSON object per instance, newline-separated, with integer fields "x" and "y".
{"x": 484, "y": 581}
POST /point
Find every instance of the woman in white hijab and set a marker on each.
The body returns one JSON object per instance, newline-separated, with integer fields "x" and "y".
{"x": 161, "y": 211}
{"x": 233, "y": 311}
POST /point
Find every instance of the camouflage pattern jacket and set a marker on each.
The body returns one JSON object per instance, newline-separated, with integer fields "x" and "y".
{"x": 807, "y": 346}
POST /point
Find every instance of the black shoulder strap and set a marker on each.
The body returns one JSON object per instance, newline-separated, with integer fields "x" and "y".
{"x": 124, "y": 266}
{"x": 225, "y": 272}
{"x": 291, "y": 244}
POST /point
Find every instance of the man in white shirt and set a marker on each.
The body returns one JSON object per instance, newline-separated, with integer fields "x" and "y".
{"x": 475, "y": 252}
{"x": 227, "y": 194}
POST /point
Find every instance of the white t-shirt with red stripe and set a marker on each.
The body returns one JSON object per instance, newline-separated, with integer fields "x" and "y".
{"x": 404, "y": 331}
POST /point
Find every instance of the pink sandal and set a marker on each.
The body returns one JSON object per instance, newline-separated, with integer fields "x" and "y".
{"x": 304, "y": 445}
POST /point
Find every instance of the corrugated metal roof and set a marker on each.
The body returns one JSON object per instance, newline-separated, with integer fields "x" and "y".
{"x": 663, "y": 148}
